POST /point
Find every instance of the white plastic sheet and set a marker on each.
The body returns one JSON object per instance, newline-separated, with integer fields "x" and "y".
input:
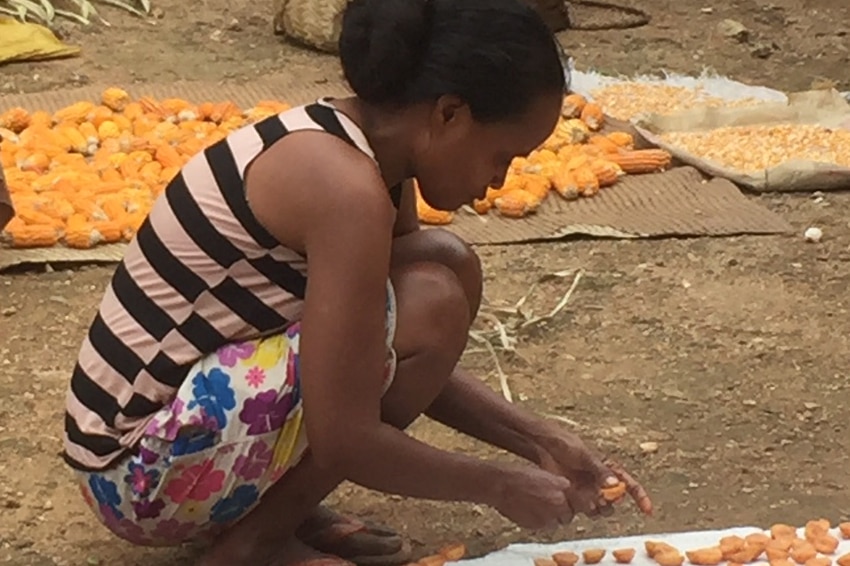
{"x": 711, "y": 83}
{"x": 524, "y": 554}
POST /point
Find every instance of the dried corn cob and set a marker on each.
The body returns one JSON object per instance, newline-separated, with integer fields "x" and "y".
{"x": 15, "y": 119}
{"x": 603, "y": 143}
{"x": 573, "y": 105}
{"x": 593, "y": 116}
{"x": 116, "y": 99}
{"x": 31, "y": 235}
{"x": 606, "y": 171}
{"x": 429, "y": 215}
{"x": 588, "y": 184}
{"x": 516, "y": 203}
{"x": 565, "y": 184}
{"x": 642, "y": 160}
{"x": 106, "y": 162}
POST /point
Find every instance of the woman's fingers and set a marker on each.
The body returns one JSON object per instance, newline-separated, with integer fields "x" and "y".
{"x": 633, "y": 488}
{"x": 587, "y": 502}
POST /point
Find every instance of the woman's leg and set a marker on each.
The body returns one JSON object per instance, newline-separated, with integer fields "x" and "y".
{"x": 441, "y": 246}
{"x": 431, "y": 332}
{"x": 335, "y": 534}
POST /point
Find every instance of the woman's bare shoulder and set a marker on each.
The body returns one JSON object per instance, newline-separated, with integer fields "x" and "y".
{"x": 310, "y": 176}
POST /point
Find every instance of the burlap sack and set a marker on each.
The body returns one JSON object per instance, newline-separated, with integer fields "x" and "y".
{"x": 314, "y": 23}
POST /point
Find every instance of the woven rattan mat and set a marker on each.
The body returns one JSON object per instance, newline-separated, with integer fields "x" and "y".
{"x": 676, "y": 203}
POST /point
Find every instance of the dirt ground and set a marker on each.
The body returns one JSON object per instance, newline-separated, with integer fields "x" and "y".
{"x": 724, "y": 352}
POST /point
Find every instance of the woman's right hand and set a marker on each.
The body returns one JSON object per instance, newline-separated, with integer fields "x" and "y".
{"x": 533, "y": 498}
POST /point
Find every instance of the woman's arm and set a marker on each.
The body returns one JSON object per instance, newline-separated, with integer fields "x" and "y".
{"x": 469, "y": 406}
{"x": 338, "y": 212}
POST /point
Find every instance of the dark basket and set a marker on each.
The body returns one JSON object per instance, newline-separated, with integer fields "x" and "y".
{"x": 554, "y": 12}
{"x": 589, "y": 15}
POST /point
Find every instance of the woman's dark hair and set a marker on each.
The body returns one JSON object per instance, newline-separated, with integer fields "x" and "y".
{"x": 496, "y": 55}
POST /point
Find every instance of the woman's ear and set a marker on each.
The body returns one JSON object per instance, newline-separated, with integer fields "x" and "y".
{"x": 450, "y": 110}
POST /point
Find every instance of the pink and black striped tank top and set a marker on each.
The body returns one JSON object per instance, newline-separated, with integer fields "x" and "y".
{"x": 201, "y": 272}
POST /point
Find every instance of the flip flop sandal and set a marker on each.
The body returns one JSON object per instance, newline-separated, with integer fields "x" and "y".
{"x": 364, "y": 544}
{"x": 400, "y": 558}
{"x": 323, "y": 561}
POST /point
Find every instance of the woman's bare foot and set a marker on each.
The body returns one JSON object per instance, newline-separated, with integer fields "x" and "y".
{"x": 356, "y": 541}
{"x": 289, "y": 552}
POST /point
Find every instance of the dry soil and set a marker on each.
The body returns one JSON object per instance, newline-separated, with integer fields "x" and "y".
{"x": 726, "y": 353}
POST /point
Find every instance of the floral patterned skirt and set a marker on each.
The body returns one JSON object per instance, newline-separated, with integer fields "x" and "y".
{"x": 234, "y": 428}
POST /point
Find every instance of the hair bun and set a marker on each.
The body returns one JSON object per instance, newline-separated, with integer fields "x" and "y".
{"x": 381, "y": 45}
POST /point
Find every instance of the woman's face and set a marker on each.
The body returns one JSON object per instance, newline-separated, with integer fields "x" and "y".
{"x": 463, "y": 157}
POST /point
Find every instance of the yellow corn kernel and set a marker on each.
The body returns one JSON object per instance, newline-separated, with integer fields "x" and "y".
{"x": 756, "y": 148}
{"x": 627, "y": 100}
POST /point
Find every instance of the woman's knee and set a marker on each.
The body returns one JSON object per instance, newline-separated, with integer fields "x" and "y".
{"x": 433, "y": 309}
{"x": 459, "y": 257}
{"x": 443, "y": 247}
{"x": 431, "y": 331}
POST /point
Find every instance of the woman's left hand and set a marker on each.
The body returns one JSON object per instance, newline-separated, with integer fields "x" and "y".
{"x": 566, "y": 454}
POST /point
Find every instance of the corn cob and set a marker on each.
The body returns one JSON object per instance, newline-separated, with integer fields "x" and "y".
{"x": 642, "y": 160}
{"x": 588, "y": 184}
{"x": 593, "y": 116}
{"x": 31, "y": 236}
{"x": 573, "y": 105}
{"x": 516, "y": 203}
{"x": 103, "y": 163}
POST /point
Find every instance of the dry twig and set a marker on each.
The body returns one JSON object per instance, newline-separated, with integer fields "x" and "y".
{"x": 507, "y": 323}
